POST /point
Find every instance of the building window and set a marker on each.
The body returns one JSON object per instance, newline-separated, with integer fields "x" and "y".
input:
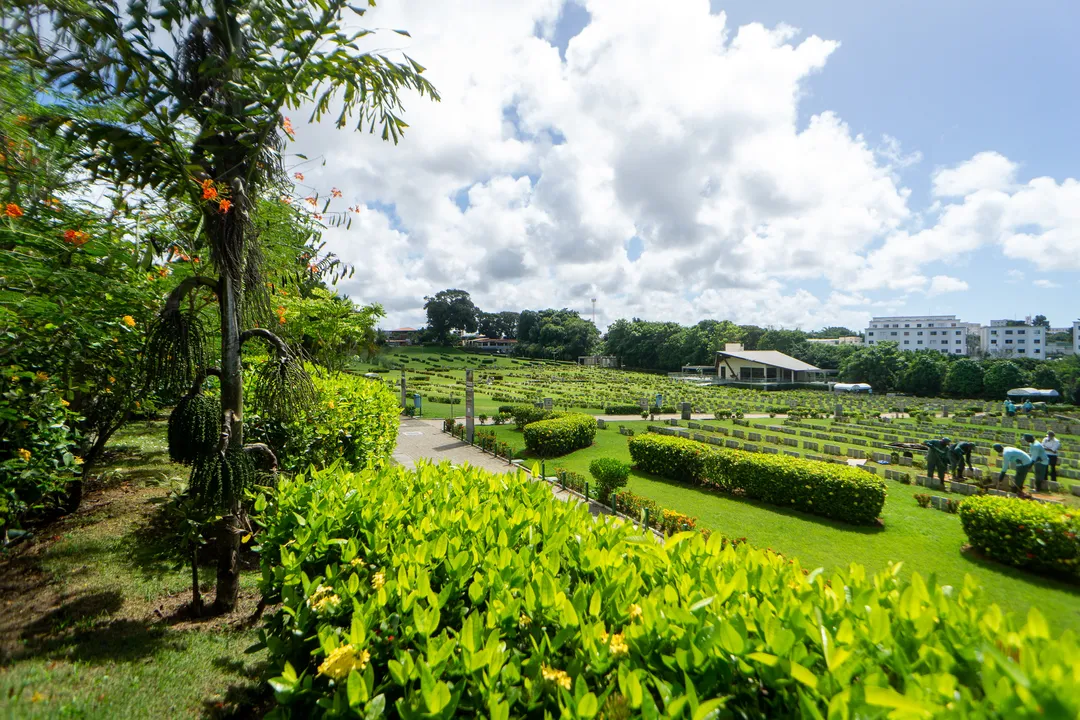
{"x": 993, "y": 332}
{"x": 919, "y": 333}
{"x": 957, "y": 349}
{"x": 920, "y": 342}
{"x": 871, "y": 342}
{"x": 993, "y": 342}
{"x": 906, "y": 334}
{"x": 1020, "y": 341}
{"x": 1008, "y": 332}
{"x": 907, "y": 342}
{"x": 1036, "y": 341}
{"x": 1020, "y": 350}
{"x": 1037, "y": 350}
{"x": 933, "y": 332}
{"x": 893, "y": 334}
{"x": 957, "y": 332}
{"x": 1008, "y": 342}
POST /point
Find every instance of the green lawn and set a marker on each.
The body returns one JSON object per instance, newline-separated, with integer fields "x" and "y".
{"x": 923, "y": 539}
{"x": 92, "y": 624}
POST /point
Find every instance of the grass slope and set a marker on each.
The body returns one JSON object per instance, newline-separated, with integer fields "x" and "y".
{"x": 92, "y": 624}
{"x": 925, "y": 540}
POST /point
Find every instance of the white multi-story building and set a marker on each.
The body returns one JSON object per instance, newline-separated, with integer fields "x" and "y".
{"x": 842, "y": 340}
{"x": 1076, "y": 337}
{"x": 1013, "y": 338}
{"x": 943, "y": 333}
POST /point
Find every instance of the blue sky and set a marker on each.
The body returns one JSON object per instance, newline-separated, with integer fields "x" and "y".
{"x": 658, "y": 207}
{"x": 949, "y": 80}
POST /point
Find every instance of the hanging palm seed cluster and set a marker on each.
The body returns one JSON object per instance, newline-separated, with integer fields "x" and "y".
{"x": 283, "y": 388}
{"x": 218, "y": 481}
{"x": 175, "y": 350}
{"x": 194, "y": 428}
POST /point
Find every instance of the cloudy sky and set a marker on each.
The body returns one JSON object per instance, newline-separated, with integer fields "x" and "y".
{"x": 785, "y": 163}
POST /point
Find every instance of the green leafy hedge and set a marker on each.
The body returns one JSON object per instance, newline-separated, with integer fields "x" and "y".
{"x": 1032, "y": 535}
{"x": 827, "y": 489}
{"x": 525, "y": 414}
{"x": 450, "y": 591}
{"x": 561, "y": 435}
{"x": 354, "y": 420}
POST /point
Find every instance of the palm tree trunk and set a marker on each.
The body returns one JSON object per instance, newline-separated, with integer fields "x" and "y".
{"x": 232, "y": 407}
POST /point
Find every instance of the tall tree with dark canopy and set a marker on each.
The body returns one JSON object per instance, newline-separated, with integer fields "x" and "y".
{"x": 450, "y": 310}
{"x": 201, "y": 85}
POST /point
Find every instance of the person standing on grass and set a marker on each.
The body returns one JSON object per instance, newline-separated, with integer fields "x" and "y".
{"x": 1040, "y": 458}
{"x": 937, "y": 457}
{"x": 1051, "y": 444}
{"x": 1028, "y": 407}
{"x": 1013, "y": 458}
{"x": 958, "y": 454}
{"x": 1010, "y": 408}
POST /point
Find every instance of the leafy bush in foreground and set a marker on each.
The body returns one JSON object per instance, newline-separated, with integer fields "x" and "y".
{"x": 446, "y": 591}
{"x": 610, "y": 474}
{"x": 561, "y": 435}
{"x": 827, "y": 489}
{"x": 1033, "y": 535}
{"x": 354, "y": 420}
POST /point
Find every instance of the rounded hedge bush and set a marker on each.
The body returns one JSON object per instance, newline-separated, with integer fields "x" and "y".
{"x": 610, "y": 474}
{"x": 1036, "y": 536}
{"x": 561, "y": 435}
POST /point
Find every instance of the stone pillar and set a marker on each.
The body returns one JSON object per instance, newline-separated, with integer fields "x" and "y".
{"x": 402, "y": 389}
{"x": 685, "y": 407}
{"x": 469, "y": 405}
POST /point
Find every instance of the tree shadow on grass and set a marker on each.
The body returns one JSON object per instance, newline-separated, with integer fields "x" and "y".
{"x": 249, "y": 699}
{"x": 777, "y": 509}
{"x": 78, "y": 630}
{"x": 1060, "y": 582}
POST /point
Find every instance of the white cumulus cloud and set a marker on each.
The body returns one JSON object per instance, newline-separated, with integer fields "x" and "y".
{"x": 943, "y": 284}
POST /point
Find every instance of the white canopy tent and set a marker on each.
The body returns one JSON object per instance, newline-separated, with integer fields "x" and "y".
{"x": 1033, "y": 393}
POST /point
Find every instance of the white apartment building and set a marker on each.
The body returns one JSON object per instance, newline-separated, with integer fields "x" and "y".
{"x": 944, "y": 333}
{"x": 1013, "y": 338}
{"x": 842, "y": 340}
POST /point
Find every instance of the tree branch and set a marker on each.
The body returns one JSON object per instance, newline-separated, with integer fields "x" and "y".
{"x": 278, "y": 343}
{"x": 201, "y": 378}
{"x": 178, "y": 293}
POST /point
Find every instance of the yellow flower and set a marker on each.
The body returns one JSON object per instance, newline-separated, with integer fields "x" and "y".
{"x": 24, "y": 454}
{"x": 524, "y": 621}
{"x": 344, "y": 660}
{"x": 40, "y": 376}
{"x": 323, "y": 599}
{"x": 617, "y": 646}
{"x": 635, "y": 611}
{"x": 64, "y": 402}
{"x": 79, "y": 460}
{"x": 377, "y": 581}
{"x": 111, "y": 379}
{"x": 330, "y": 404}
{"x": 355, "y": 561}
{"x": 128, "y": 320}
{"x": 556, "y": 677}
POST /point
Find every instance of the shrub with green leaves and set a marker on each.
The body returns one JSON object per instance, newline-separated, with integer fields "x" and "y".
{"x": 610, "y": 474}
{"x": 827, "y": 489}
{"x": 353, "y": 419}
{"x": 1042, "y": 537}
{"x": 525, "y": 414}
{"x": 561, "y": 435}
{"x": 449, "y": 591}
{"x": 37, "y": 445}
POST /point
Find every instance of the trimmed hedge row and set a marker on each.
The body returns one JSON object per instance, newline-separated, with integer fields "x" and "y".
{"x": 525, "y": 414}
{"x": 827, "y": 489}
{"x": 1031, "y": 535}
{"x": 636, "y": 409}
{"x": 354, "y": 420}
{"x": 561, "y": 435}
{"x": 450, "y": 591}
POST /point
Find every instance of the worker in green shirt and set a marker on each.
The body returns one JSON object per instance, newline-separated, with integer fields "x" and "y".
{"x": 958, "y": 455}
{"x": 1010, "y": 408}
{"x": 1041, "y": 458}
{"x": 937, "y": 457}
{"x": 1014, "y": 458}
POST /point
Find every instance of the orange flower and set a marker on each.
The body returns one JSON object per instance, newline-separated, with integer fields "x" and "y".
{"x": 286, "y": 125}
{"x": 13, "y": 211}
{"x": 312, "y": 201}
{"x": 75, "y": 237}
{"x": 224, "y": 206}
{"x": 209, "y": 192}
{"x": 335, "y": 193}
{"x": 128, "y": 320}
{"x": 299, "y": 176}
{"x": 195, "y": 259}
{"x": 318, "y": 216}
{"x": 312, "y": 268}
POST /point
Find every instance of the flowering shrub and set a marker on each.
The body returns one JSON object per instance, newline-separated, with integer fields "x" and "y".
{"x": 37, "y": 446}
{"x": 1036, "y": 536}
{"x": 826, "y": 489}
{"x": 425, "y": 594}
{"x": 923, "y": 499}
{"x": 561, "y": 435}
{"x": 355, "y": 420}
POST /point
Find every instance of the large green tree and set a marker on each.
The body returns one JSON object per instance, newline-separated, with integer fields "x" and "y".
{"x": 879, "y": 365}
{"x": 964, "y": 378}
{"x": 1001, "y": 377}
{"x": 201, "y": 86}
{"x": 923, "y": 374}
{"x": 450, "y": 310}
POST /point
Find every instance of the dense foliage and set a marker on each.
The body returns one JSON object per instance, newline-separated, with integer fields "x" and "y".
{"x": 353, "y": 419}
{"x": 560, "y": 435}
{"x": 556, "y": 334}
{"x": 449, "y": 591}
{"x": 610, "y": 475}
{"x": 525, "y": 414}
{"x": 1037, "y": 536}
{"x": 827, "y": 489}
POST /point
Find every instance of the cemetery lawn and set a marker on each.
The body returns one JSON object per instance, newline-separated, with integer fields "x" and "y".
{"x": 925, "y": 540}
{"x": 91, "y": 624}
